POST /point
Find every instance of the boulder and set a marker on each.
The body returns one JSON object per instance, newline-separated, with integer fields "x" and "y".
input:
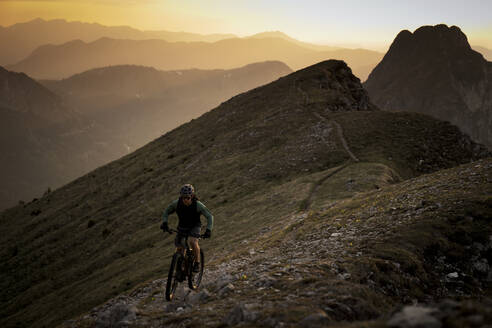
{"x": 415, "y": 317}
{"x": 119, "y": 315}
{"x": 240, "y": 313}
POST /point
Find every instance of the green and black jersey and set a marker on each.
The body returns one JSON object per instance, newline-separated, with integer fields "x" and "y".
{"x": 189, "y": 216}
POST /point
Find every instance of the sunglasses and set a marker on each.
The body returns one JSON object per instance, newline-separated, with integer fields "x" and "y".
{"x": 186, "y": 197}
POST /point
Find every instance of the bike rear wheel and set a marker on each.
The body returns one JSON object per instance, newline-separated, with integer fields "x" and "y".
{"x": 195, "y": 278}
{"x": 172, "y": 279}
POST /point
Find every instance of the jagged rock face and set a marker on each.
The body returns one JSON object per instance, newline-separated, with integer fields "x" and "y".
{"x": 435, "y": 71}
{"x": 338, "y": 88}
{"x": 329, "y": 86}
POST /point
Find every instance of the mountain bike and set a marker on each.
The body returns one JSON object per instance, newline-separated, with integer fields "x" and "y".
{"x": 181, "y": 268}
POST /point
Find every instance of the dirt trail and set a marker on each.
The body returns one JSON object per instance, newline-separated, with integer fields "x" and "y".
{"x": 340, "y": 135}
{"x": 309, "y": 199}
{"x": 313, "y": 192}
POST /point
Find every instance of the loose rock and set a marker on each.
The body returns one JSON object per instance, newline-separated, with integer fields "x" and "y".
{"x": 120, "y": 315}
{"x": 240, "y": 313}
{"x": 415, "y": 317}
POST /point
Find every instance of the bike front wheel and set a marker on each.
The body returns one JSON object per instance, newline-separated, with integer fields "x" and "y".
{"x": 172, "y": 279}
{"x": 195, "y": 278}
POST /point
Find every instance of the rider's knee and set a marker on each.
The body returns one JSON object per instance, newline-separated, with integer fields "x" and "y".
{"x": 194, "y": 242}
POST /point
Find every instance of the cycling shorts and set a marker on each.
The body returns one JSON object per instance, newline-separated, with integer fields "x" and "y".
{"x": 185, "y": 232}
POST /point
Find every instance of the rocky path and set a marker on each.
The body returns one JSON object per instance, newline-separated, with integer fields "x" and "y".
{"x": 337, "y": 170}
{"x": 318, "y": 184}
{"x": 340, "y": 135}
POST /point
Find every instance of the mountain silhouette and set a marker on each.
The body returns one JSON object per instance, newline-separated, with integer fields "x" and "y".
{"x": 62, "y": 61}
{"x": 52, "y": 137}
{"x": 278, "y": 166}
{"x": 22, "y": 95}
{"x": 281, "y": 35}
{"x": 487, "y": 53}
{"x": 44, "y": 143}
{"x": 434, "y": 71}
{"x": 21, "y": 39}
{"x": 107, "y": 87}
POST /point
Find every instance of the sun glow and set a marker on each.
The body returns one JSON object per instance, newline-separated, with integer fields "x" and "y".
{"x": 352, "y": 23}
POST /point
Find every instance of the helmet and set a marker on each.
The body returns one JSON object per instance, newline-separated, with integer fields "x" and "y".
{"x": 187, "y": 190}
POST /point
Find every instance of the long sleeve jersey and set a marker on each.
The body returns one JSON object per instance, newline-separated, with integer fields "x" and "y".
{"x": 201, "y": 208}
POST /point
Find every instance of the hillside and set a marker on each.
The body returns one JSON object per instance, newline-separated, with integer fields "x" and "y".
{"x": 43, "y": 142}
{"x": 354, "y": 262}
{"x": 62, "y": 61}
{"x": 52, "y": 137}
{"x": 20, "y": 94}
{"x": 305, "y": 142}
{"x": 21, "y": 39}
{"x": 434, "y": 71}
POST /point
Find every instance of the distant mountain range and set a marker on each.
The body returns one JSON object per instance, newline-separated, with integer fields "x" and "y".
{"x": 435, "y": 71}
{"x": 61, "y": 61}
{"x": 51, "y": 137}
{"x": 138, "y": 104}
{"x": 281, "y": 35}
{"x": 487, "y": 53}
{"x": 58, "y": 49}
{"x": 278, "y": 166}
{"x": 19, "y": 40}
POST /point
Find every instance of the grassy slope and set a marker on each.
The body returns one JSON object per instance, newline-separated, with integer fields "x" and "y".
{"x": 396, "y": 244}
{"x": 98, "y": 236}
{"x": 393, "y": 246}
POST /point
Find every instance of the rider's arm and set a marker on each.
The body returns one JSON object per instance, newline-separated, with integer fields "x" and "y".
{"x": 169, "y": 210}
{"x": 206, "y": 213}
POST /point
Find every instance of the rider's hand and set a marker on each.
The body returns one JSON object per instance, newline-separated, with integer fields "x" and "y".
{"x": 164, "y": 227}
{"x": 207, "y": 234}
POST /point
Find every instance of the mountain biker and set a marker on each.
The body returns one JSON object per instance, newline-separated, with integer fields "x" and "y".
{"x": 189, "y": 208}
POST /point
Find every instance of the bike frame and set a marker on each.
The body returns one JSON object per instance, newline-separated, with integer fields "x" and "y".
{"x": 182, "y": 263}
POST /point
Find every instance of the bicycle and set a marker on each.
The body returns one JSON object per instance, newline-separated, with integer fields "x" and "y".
{"x": 182, "y": 268}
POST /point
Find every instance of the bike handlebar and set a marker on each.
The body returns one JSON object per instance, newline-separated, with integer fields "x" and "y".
{"x": 171, "y": 231}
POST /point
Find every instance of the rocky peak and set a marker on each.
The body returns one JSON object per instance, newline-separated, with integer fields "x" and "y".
{"x": 442, "y": 45}
{"x": 328, "y": 85}
{"x": 432, "y": 39}
{"x": 435, "y": 71}
{"x": 442, "y": 35}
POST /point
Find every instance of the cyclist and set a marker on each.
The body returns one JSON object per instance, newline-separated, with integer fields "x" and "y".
{"x": 189, "y": 208}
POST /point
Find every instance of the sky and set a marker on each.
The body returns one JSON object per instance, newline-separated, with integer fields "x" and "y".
{"x": 351, "y": 23}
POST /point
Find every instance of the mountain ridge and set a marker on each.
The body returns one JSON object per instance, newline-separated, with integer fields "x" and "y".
{"x": 29, "y": 35}
{"x": 254, "y": 160}
{"x": 48, "y": 62}
{"x": 48, "y": 105}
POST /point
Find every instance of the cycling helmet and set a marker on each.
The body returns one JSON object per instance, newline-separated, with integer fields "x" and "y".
{"x": 187, "y": 190}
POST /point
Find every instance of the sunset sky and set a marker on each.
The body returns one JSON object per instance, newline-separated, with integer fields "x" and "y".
{"x": 353, "y": 23}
